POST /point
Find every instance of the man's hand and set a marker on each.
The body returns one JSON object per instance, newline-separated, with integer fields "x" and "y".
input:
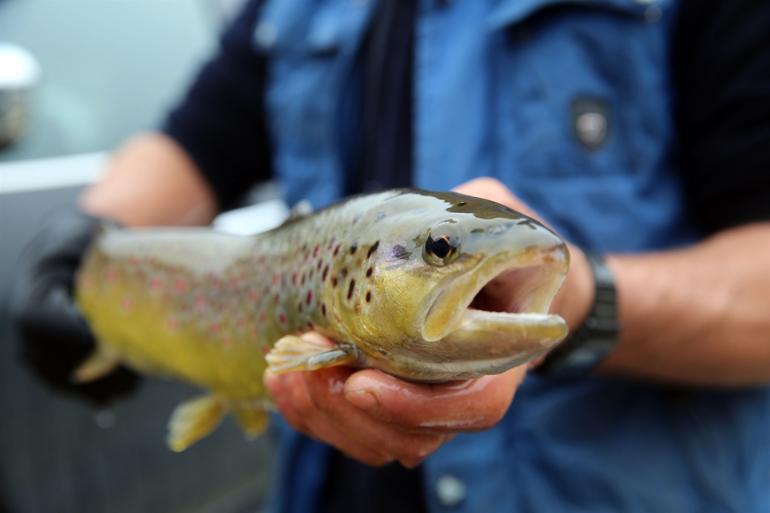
{"x": 377, "y": 418}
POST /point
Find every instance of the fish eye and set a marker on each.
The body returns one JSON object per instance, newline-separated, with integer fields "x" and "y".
{"x": 441, "y": 248}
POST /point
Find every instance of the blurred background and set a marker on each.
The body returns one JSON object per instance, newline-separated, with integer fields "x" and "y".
{"x": 76, "y": 78}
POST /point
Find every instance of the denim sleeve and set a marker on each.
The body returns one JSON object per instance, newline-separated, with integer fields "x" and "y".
{"x": 721, "y": 68}
{"x": 220, "y": 122}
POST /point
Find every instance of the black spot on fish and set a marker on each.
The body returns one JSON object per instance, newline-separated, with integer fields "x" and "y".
{"x": 529, "y": 223}
{"x": 400, "y": 251}
{"x": 462, "y": 203}
{"x": 325, "y": 273}
{"x": 323, "y": 309}
{"x": 351, "y": 287}
{"x": 372, "y": 249}
{"x": 368, "y": 296}
{"x": 344, "y": 272}
{"x": 334, "y": 281}
{"x": 353, "y": 249}
{"x": 369, "y": 272}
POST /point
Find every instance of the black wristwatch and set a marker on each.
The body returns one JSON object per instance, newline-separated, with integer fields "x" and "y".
{"x": 587, "y": 345}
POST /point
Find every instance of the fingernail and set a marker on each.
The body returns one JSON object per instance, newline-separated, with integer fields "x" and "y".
{"x": 363, "y": 399}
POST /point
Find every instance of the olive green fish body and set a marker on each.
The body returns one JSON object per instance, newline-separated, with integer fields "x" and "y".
{"x": 391, "y": 276}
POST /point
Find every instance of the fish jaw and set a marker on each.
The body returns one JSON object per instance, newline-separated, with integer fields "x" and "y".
{"x": 467, "y": 335}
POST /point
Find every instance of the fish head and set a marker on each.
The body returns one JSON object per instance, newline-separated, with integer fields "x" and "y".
{"x": 464, "y": 286}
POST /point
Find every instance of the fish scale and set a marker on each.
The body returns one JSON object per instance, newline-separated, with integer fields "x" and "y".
{"x": 216, "y": 310}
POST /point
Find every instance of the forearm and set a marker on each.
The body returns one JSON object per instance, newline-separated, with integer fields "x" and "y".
{"x": 151, "y": 181}
{"x": 697, "y": 316}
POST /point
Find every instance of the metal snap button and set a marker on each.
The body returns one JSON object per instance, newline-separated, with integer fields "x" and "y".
{"x": 450, "y": 491}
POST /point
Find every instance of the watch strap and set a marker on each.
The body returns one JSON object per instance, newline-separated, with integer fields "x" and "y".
{"x": 593, "y": 340}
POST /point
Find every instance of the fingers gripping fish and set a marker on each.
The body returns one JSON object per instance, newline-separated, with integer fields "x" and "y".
{"x": 392, "y": 276}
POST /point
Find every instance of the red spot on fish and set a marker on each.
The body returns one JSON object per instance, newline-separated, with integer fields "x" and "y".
{"x": 227, "y": 341}
{"x": 315, "y": 251}
{"x": 252, "y": 294}
{"x": 180, "y": 285}
{"x": 357, "y": 308}
{"x": 309, "y": 297}
{"x": 132, "y": 261}
{"x": 265, "y": 349}
{"x": 216, "y": 327}
{"x": 282, "y": 318}
{"x": 276, "y": 279}
{"x": 111, "y": 275}
{"x": 155, "y": 283}
{"x": 262, "y": 317}
{"x": 334, "y": 281}
{"x": 200, "y": 301}
{"x": 127, "y": 303}
{"x": 293, "y": 278}
{"x": 336, "y": 250}
{"x": 172, "y": 323}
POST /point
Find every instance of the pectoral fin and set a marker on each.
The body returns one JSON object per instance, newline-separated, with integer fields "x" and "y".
{"x": 253, "y": 420}
{"x": 193, "y": 420}
{"x": 100, "y": 363}
{"x": 292, "y": 353}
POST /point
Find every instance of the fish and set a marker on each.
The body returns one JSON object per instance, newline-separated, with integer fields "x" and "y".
{"x": 402, "y": 280}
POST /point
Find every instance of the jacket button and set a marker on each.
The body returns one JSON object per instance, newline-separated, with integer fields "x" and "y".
{"x": 450, "y": 491}
{"x": 265, "y": 35}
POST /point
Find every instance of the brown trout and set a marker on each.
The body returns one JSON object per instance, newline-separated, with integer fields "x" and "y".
{"x": 395, "y": 277}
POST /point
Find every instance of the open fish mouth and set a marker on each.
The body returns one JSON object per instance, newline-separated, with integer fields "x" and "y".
{"x": 496, "y": 316}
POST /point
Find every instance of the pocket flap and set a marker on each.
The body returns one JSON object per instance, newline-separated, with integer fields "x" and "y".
{"x": 512, "y": 12}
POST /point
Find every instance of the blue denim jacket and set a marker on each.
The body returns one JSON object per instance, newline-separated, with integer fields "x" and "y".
{"x": 569, "y": 104}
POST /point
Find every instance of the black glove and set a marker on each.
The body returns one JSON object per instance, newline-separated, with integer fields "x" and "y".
{"x": 55, "y": 337}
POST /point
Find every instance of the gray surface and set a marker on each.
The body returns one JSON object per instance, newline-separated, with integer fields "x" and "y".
{"x": 55, "y": 458}
{"x": 110, "y": 67}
